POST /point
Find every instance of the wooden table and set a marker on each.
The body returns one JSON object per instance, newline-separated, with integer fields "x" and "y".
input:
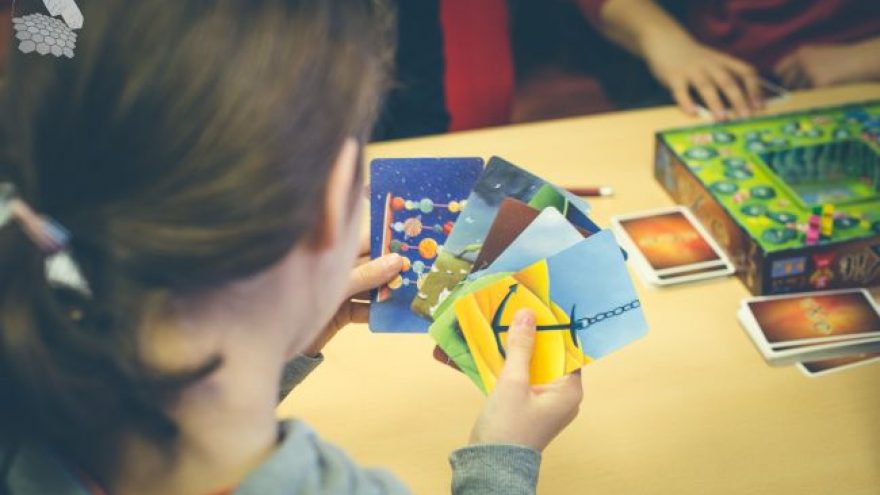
{"x": 691, "y": 408}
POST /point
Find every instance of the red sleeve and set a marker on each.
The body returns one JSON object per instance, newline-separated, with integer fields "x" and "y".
{"x": 592, "y": 10}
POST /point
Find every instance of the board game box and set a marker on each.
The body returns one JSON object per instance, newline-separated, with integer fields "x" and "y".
{"x": 793, "y": 198}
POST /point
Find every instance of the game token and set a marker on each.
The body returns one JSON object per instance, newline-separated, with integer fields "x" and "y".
{"x": 827, "y": 228}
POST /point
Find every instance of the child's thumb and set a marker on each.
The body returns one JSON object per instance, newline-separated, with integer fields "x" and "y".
{"x": 519, "y": 348}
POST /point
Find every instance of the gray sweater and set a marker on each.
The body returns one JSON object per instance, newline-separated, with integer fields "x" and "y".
{"x": 303, "y": 464}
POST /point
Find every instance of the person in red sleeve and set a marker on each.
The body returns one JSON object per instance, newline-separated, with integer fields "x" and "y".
{"x": 720, "y": 49}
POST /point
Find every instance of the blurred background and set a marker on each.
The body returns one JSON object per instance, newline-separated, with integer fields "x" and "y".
{"x": 468, "y": 64}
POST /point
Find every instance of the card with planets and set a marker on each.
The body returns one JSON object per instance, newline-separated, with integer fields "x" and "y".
{"x": 414, "y": 203}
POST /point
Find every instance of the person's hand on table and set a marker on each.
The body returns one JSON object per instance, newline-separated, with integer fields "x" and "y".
{"x": 519, "y": 413}
{"x": 683, "y": 65}
{"x": 367, "y": 275}
{"x": 817, "y": 66}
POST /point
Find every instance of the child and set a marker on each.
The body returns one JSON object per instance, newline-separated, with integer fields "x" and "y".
{"x": 199, "y": 163}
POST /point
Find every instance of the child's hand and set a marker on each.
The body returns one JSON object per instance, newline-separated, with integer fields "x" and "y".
{"x": 684, "y": 66}
{"x": 519, "y": 413}
{"x": 816, "y": 66}
{"x": 366, "y": 276}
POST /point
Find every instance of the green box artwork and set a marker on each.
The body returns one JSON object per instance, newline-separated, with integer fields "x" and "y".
{"x": 770, "y": 173}
{"x": 766, "y": 188}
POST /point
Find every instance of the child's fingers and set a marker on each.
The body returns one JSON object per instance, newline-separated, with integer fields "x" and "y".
{"x": 359, "y": 312}
{"x": 562, "y": 398}
{"x": 519, "y": 348}
{"x": 569, "y": 387}
{"x": 374, "y": 273}
{"x": 364, "y": 248}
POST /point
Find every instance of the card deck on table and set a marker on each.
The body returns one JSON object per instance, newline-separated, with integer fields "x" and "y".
{"x": 812, "y": 326}
{"x": 828, "y": 366}
{"x": 671, "y": 246}
{"x": 815, "y": 318}
{"x": 498, "y": 181}
{"x": 414, "y": 204}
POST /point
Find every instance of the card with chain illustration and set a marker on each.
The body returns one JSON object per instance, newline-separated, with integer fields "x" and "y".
{"x": 585, "y": 307}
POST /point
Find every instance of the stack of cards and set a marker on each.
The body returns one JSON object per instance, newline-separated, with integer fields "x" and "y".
{"x": 671, "y": 247}
{"x": 518, "y": 242}
{"x": 821, "y": 331}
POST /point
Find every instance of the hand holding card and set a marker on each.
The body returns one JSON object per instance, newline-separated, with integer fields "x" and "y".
{"x": 414, "y": 204}
{"x": 499, "y": 181}
{"x": 518, "y": 413}
{"x": 519, "y": 243}
{"x": 579, "y": 318}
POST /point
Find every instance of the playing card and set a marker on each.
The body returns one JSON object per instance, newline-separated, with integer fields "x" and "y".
{"x": 580, "y": 318}
{"x": 513, "y": 217}
{"x": 499, "y": 180}
{"x": 671, "y": 246}
{"x": 414, "y": 202}
{"x": 815, "y": 318}
{"x": 827, "y": 366}
{"x": 549, "y": 233}
{"x": 811, "y": 326}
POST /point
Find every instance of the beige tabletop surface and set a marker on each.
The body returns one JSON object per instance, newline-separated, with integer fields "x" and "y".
{"x": 690, "y": 409}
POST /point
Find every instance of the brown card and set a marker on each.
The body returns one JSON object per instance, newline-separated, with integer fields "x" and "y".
{"x": 513, "y": 217}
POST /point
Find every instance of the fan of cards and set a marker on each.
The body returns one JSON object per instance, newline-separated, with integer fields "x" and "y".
{"x": 820, "y": 331}
{"x": 481, "y": 243}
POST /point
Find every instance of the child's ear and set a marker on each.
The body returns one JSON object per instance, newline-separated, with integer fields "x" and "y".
{"x": 337, "y": 197}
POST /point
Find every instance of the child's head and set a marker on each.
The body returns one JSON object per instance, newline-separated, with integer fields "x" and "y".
{"x": 188, "y": 146}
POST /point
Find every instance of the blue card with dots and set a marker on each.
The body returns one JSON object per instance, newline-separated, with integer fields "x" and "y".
{"x": 414, "y": 202}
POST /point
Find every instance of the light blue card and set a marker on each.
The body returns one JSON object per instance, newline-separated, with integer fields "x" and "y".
{"x": 549, "y": 233}
{"x": 590, "y": 281}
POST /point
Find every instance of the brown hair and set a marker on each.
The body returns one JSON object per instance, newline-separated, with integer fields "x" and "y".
{"x": 186, "y": 145}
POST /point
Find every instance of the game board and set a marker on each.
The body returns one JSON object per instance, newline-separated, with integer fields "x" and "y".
{"x": 756, "y": 183}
